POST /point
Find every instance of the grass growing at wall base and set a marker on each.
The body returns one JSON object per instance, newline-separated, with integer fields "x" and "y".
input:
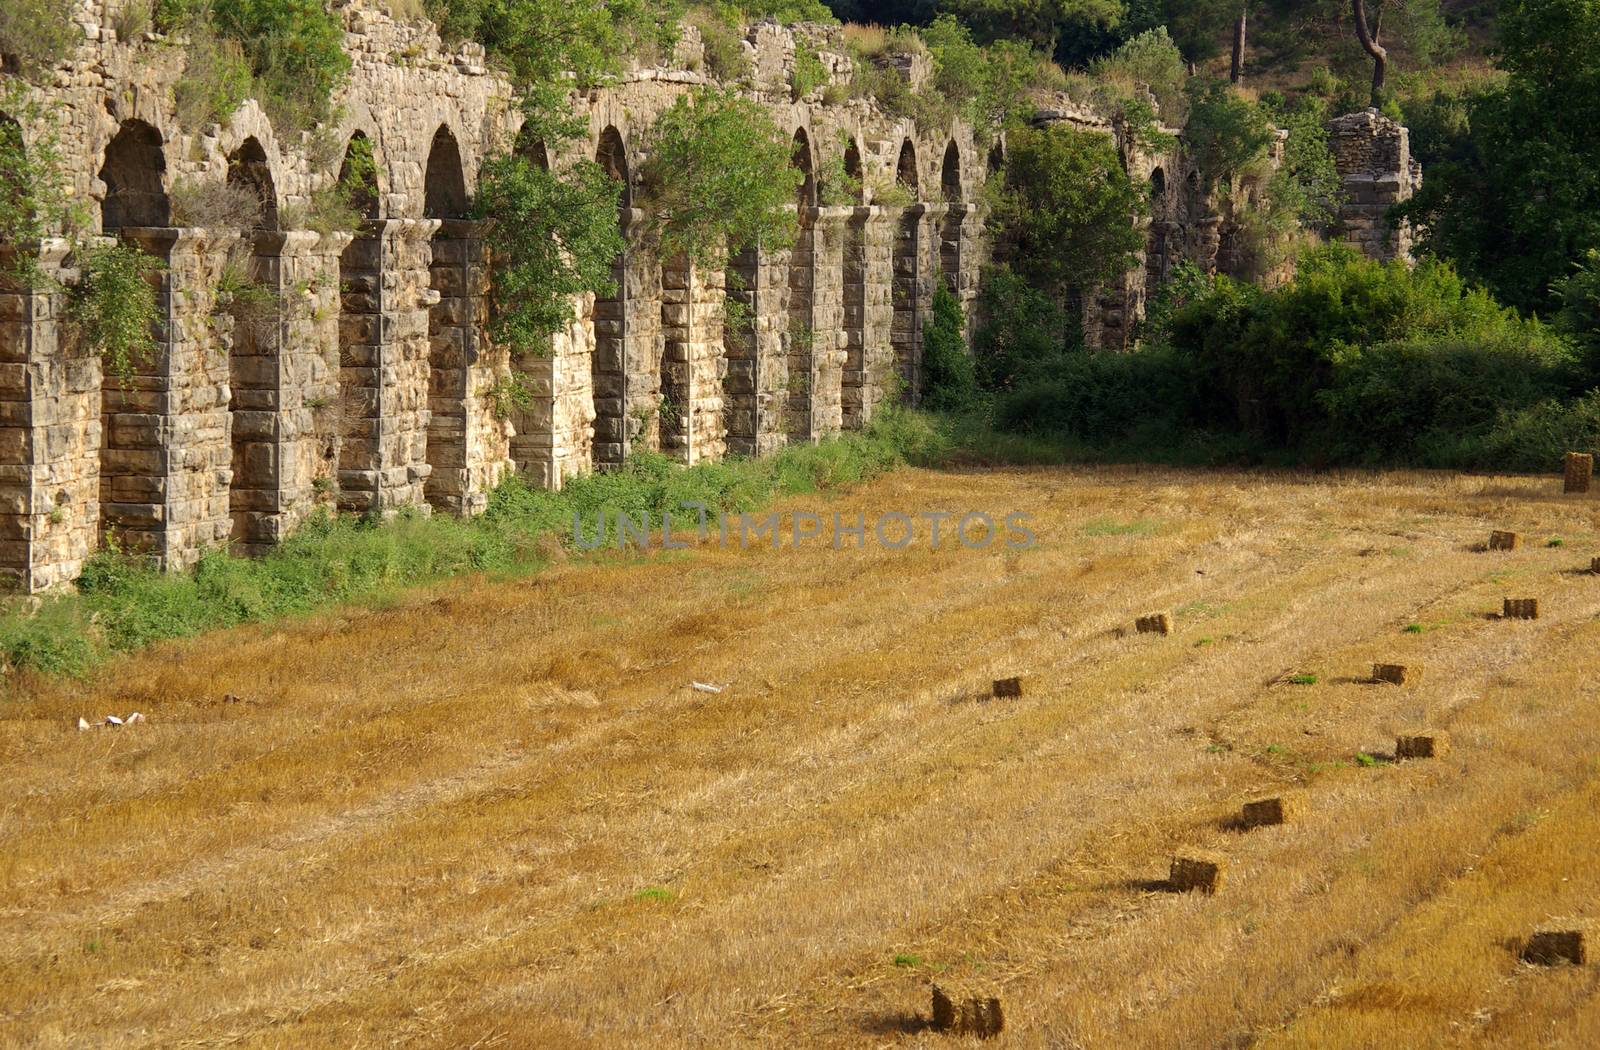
{"x": 121, "y": 604}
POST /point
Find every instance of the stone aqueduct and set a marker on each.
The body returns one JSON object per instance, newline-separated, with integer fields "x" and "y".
{"x": 369, "y": 385}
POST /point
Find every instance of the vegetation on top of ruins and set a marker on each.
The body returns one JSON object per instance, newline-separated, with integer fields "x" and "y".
{"x": 551, "y": 237}
{"x": 122, "y": 604}
{"x": 718, "y": 178}
{"x": 35, "y": 35}
{"x": 113, "y": 305}
{"x": 287, "y": 54}
{"x": 1066, "y": 209}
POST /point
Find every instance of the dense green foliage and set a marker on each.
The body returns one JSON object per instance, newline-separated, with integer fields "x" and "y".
{"x": 122, "y": 604}
{"x": 34, "y": 35}
{"x": 1352, "y": 362}
{"x": 947, "y": 367}
{"x": 1067, "y": 209}
{"x": 552, "y": 237}
{"x": 718, "y": 178}
{"x": 114, "y": 305}
{"x": 1509, "y": 195}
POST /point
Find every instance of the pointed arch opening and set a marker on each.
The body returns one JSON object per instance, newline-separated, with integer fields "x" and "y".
{"x": 800, "y": 337}
{"x": 452, "y": 328}
{"x": 905, "y": 169}
{"x": 360, "y": 333}
{"x": 133, "y": 487}
{"x": 134, "y": 171}
{"x": 907, "y": 293}
{"x": 248, "y": 169}
{"x": 254, "y": 394}
{"x": 950, "y": 229}
{"x": 609, "y": 360}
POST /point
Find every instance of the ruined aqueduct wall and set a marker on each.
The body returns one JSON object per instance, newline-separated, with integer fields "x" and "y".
{"x": 369, "y": 385}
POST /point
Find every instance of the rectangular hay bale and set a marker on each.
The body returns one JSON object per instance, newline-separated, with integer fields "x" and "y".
{"x": 1155, "y": 623}
{"x": 962, "y": 1012}
{"x": 1280, "y": 809}
{"x": 1547, "y": 947}
{"x": 1521, "y": 609}
{"x": 1504, "y": 541}
{"x": 1579, "y": 471}
{"x": 1201, "y": 870}
{"x": 1431, "y": 744}
{"x": 1396, "y": 674}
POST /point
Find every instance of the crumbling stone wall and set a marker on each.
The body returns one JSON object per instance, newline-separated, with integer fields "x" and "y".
{"x": 1373, "y": 155}
{"x": 371, "y": 384}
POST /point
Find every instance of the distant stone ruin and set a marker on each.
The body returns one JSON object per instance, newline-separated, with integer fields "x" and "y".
{"x": 368, "y": 387}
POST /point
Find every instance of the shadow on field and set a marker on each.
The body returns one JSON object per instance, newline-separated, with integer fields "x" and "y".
{"x": 895, "y": 1022}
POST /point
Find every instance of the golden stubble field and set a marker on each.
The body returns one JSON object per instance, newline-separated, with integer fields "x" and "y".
{"x": 497, "y": 815}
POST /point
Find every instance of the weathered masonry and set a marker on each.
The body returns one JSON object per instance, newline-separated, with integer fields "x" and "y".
{"x": 368, "y": 386}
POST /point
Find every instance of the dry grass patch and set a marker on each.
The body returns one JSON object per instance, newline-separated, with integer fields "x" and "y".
{"x": 499, "y": 814}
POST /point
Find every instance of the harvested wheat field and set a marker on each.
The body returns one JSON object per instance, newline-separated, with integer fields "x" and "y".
{"x": 499, "y": 814}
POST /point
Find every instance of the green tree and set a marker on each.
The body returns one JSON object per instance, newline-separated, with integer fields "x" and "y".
{"x": 1067, "y": 210}
{"x": 552, "y": 237}
{"x": 718, "y": 178}
{"x": 1039, "y": 22}
{"x": 1511, "y": 202}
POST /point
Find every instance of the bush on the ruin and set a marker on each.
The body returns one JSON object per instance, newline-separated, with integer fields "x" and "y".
{"x": 552, "y": 236}
{"x": 113, "y": 306}
{"x": 35, "y": 35}
{"x": 1067, "y": 209}
{"x": 948, "y": 377}
{"x": 718, "y": 178}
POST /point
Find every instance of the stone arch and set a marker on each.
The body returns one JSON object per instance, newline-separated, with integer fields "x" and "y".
{"x": 134, "y": 172}
{"x": 134, "y": 457}
{"x": 532, "y": 150}
{"x": 1158, "y": 184}
{"x": 800, "y": 336}
{"x": 905, "y": 169}
{"x": 611, "y": 153}
{"x": 444, "y": 187}
{"x": 248, "y": 169}
{"x": 907, "y": 286}
{"x": 950, "y": 228}
{"x": 610, "y": 362}
{"x": 452, "y": 331}
{"x": 857, "y": 271}
{"x": 950, "y": 173}
{"x": 360, "y": 335}
{"x": 852, "y": 168}
{"x": 254, "y": 397}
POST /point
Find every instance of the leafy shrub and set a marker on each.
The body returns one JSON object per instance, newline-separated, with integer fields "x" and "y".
{"x": 114, "y": 306}
{"x": 1104, "y": 397}
{"x": 35, "y": 35}
{"x": 296, "y": 51}
{"x": 1068, "y": 208}
{"x": 216, "y": 78}
{"x": 1020, "y": 326}
{"x": 552, "y": 236}
{"x": 722, "y": 43}
{"x": 951, "y": 384}
{"x": 1227, "y": 134}
{"x": 809, "y": 72}
{"x": 215, "y": 205}
{"x": 1152, "y": 59}
{"x": 718, "y": 178}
